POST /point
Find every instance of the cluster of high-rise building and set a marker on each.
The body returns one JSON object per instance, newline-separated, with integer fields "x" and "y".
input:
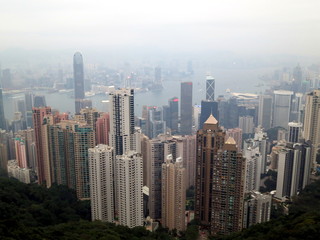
{"x": 133, "y": 167}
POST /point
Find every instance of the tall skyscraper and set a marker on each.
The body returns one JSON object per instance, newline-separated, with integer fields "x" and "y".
{"x": 281, "y": 108}
{"x": 39, "y": 101}
{"x": 42, "y": 168}
{"x": 294, "y": 132}
{"x": 207, "y": 108}
{"x": 186, "y": 108}
{"x": 173, "y": 194}
{"x": 265, "y": 111}
{"x": 236, "y": 134}
{"x": 121, "y": 120}
{"x": 312, "y": 123}
{"x": 172, "y": 115}
{"x": 129, "y": 183}
{"x": 219, "y": 180}
{"x": 294, "y": 165}
{"x": 296, "y": 109}
{"x": 78, "y": 76}
{"x": 3, "y": 123}
{"x": 101, "y": 183}
{"x": 210, "y": 88}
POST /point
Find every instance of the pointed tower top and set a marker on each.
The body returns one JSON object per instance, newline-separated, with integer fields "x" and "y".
{"x": 211, "y": 120}
{"x": 231, "y": 141}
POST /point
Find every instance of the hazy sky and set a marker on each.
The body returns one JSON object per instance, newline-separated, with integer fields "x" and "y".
{"x": 242, "y": 26}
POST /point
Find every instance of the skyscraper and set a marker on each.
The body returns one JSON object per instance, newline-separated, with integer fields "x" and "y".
{"x": 172, "y": 115}
{"x": 3, "y": 123}
{"x": 207, "y": 108}
{"x": 121, "y": 120}
{"x": 42, "y": 168}
{"x": 173, "y": 194}
{"x": 78, "y": 76}
{"x": 101, "y": 183}
{"x": 210, "y": 88}
{"x": 294, "y": 132}
{"x": 281, "y": 108}
{"x": 265, "y": 111}
{"x": 312, "y": 122}
{"x": 129, "y": 183}
{"x": 186, "y": 108}
{"x": 103, "y": 129}
{"x": 219, "y": 180}
{"x": 294, "y": 164}
{"x": 39, "y": 101}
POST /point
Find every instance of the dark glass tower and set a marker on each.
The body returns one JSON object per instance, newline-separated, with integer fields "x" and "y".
{"x": 78, "y": 77}
{"x": 186, "y": 108}
{"x": 3, "y": 124}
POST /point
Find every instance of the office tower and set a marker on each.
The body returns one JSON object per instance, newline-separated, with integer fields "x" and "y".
{"x": 294, "y": 132}
{"x": 3, "y": 123}
{"x": 173, "y": 194}
{"x": 246, "y": 124}
{"x": 6, "y": 79}
{"x": 257, "y": 208}
{"x": 281, "y": 108}
{"x": 312, "y": 122}
{"x": 39, "y": 101}
{"x": 219, "y": 178}
{"x": 196, "y": 116}
{"x": 173, "y": 115}
{"x": 21, "y": 154}
{"x": 42, "y": 168}
{"x": 210, "y": 87}
{"x": 155, "y": 123}
{"x": 186, "y": 108}
{"x": 254, "y": 164}
{"x": 294, "y": 165}
{"x": 21, "y": 107}
{"x": 296, "y": 109}
{"x": 101, "y": 183}
{"x": 129, "y": 183}
{"x": 78, "y": 76}
{"x": 208, "y": 108}
{"x": 103, "y": 129}
{"x": 265, "y": 111}
{"x": 236, "y": 134}
{"x": 121, "y": 120}
{"x": 228, "y": 113}
{"x": 28, "y": 98}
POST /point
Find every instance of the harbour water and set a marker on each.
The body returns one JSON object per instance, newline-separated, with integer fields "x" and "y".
{"x": 236, "y": 80}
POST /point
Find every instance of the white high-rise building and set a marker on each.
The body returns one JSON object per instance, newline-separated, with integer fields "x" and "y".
{"x": 173, "y": 194}
{"x": 311, "y": 123}
{"x": 101, "y": 183}
{"x": 265, "y": 111}
{"x": 129, "y": 182}
{"x": 253, "y": 157}
{"x": 122, "y": 120}
{"x": 281, "y": 108}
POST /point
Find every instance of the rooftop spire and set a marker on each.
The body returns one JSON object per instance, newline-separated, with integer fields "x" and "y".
{"x": 211, "y": 120}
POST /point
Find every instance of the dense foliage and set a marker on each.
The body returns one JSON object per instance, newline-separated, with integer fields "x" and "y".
{"x": 30, "y": 211}
{"x": 303, "y": 221}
